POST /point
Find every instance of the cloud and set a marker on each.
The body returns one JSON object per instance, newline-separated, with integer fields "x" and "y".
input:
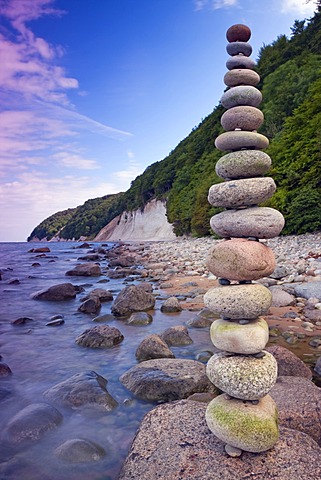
{"x": 299, "y": 7}
{"x": 34, "y": 196}
{"x": 214, "y": 4}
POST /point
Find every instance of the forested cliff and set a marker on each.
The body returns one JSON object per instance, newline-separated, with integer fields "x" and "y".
{"x": 290, "y": 70}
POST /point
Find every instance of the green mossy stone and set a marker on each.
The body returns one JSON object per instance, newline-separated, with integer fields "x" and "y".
{"x": 233, "y": 337}
{"x": 252, "y": 428}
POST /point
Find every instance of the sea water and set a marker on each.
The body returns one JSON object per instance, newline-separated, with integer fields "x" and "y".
{"x": 41, "y": 356}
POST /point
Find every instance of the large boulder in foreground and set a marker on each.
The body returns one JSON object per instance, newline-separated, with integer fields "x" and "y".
{"x": 31, "y": 423}
{"x": 82, "y": 389}
{"x": 57, "y": 293}
{"x": 132, "y": 299}
{"x": 174, "y": 442}
{"x": 299, "y": 405}
{"x": 89, "y": 269}
{"x": 166, "y": 379}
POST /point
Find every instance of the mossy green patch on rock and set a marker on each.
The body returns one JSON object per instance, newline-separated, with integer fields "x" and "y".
{"x": 253, "y": 428}
{"x": 232, "y": 337}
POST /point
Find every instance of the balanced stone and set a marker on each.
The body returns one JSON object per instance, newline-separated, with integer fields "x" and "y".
{"x": 230, "y": 336}
{"x": 239, "y": 301}
{"x": 235, "y": 48}
{"x": 241, "y": 95}
{"x": 244, "y": 192}
{"x": 241, "y": 76}
{"x": 231, "y": 141}
{"x": 243, "y": 376}
{"x": 243, "y": 164}
{"x": 242, "y": 117}
{"x": 240, "y": 61}
{"x": 238, "y": 33}
{"x": 252, "y": 428}
{"x": 259, "y": 222}
{"x": 241, "y": 259}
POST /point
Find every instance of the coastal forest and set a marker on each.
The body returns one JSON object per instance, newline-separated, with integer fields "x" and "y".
{"x": 290, "y": 71}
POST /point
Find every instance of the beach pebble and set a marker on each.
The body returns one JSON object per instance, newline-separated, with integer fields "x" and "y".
{"x": 259, "y": 222}
{"x": 245, "y": 192}
{"x": 240, "y": 259}
{"x": 240, "y": 61}
{"x": 239, "y": 301}
{"x": 243, "y": 164}
{"x": 248, "y": 338}
{"x": 281, "y": 298}
{"x": 238, "y": 33}
{"x": 236, "y": 48}
{"x": 241, "y": 95}
{"x": 241, "y": 76}
{"x": 238, "y": 140}
{"x": 252, "y": 428}
{"x": 242, "y": 376}
{"x": 243, "y": 117}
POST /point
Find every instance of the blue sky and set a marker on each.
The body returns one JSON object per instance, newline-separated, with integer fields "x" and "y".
{"x": 94, "y": 91}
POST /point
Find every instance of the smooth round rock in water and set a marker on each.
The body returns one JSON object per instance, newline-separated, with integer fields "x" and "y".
{"x": 242, "y": 117}
{"x": 241, "y": 76}
{"x": 244, "y": 192}
{"x": 231, "y": 336}
{"x": 238, "y": 33}
{"x": 239, "y": 301}
{"x": 240, "y": 61}
{"x": 258, "y": 222}
{"x": 252, "y": 428}
{"x": 241, "y": 259}
{"x": 243, "y": 164}
{"x": 235, "y": 48}
{"x": 243, "y": 376}
{"x": 231, "y": 141}
{"x": 241, "y": 95}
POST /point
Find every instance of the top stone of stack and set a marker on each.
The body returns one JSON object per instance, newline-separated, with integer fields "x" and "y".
{"x": 238, "y": 33}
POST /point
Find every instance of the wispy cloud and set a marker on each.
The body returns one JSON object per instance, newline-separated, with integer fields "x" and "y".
{"x": 299, "y": 7}
{"x": 214, "y": 4}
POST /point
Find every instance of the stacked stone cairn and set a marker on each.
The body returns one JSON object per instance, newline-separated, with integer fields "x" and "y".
{"x": 244, "y": 416}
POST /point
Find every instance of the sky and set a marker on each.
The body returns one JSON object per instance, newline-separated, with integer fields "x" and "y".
{"x": 94, "y": 91}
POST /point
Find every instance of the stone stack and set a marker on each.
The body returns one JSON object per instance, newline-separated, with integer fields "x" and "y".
{"x": 244, "y": 416}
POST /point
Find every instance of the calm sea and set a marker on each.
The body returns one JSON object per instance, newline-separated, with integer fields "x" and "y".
{"x": 41, "y": 356}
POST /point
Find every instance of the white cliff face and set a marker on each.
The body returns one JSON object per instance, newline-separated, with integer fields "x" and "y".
{"x": 147, "y": 225}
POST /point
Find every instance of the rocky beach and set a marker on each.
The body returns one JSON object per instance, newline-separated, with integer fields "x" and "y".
{"x": 94, "y": 336}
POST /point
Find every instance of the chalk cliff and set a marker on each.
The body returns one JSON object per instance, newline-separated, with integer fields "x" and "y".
{"x": 139, "y": 225}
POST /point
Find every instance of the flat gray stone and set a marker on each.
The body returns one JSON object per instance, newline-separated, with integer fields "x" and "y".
{"x": 240, "y": 61}
{"x": 241, "y": 95}
{"x": 237, "y": 140}
{"x": 258, "y": 222}
{"x": 166, "y": 379}
{"x": 174, "y": 442}
{"x": 236, "y": 48}
{"x": 239, "y": 301}
{"x": 308, "y": 290}
{"x": 243, "y": 117}
{"x": 241, "y": 76}
{"x": 243, "y": 164}
{"x": 80, "y": 390}
{"x": 238, "y": 193}
{"x": 281, "y": 298}
{"x": 242, "y": 376}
